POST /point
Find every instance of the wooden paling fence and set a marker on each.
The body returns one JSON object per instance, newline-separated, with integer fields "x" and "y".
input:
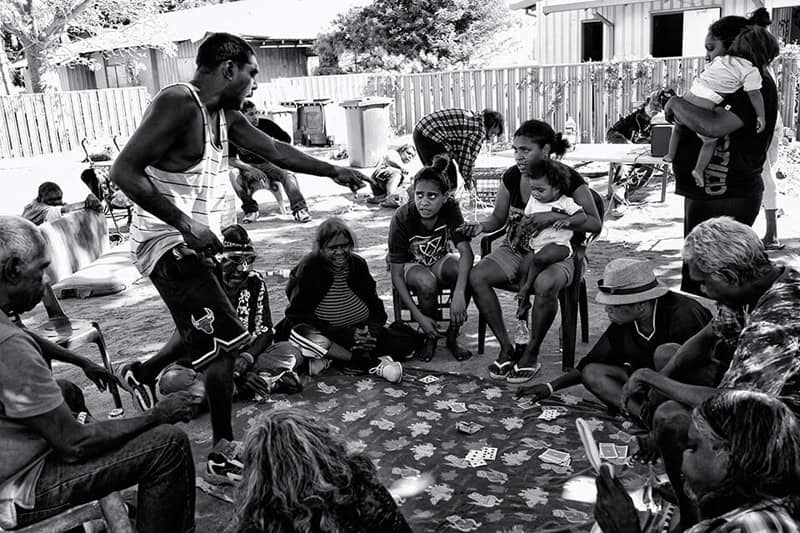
{"x": 594, "y": 94}
{"x": 37, "y": 124}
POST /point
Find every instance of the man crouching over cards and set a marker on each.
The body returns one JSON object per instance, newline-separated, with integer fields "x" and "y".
{"x": 648, "y": 325}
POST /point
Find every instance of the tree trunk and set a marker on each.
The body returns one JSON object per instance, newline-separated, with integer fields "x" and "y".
{"x": 5, "y": 69}
{"x": 37, "y": 66}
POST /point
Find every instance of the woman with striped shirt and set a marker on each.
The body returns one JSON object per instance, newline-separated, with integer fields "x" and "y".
{"x": 334, "y": 312}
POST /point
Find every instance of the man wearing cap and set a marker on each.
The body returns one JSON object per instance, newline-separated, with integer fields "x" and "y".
{"x": 648, "y": 324}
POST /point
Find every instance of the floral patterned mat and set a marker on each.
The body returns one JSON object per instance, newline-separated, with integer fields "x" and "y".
{"x": 410, "y": 428}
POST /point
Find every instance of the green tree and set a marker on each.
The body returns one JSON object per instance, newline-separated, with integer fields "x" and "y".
{"x": 42, "y": 27}
{"x": 409, "y": 35}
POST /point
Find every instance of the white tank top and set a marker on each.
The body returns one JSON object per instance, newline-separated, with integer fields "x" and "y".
{"x": 199, "y": 191}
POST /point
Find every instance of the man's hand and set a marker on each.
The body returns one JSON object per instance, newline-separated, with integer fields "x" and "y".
{"x": 537, "y": 392}
{"x": 472, "y": 229}
{"x": 760, "y": 124}
{"x": 348, "y": 177}
{"x": 98, "y": 375}
{"x": 92, "y": 202}
{"x": 458, "y": 310}
{"x": 201, "y": 239}
{"x": 429, "y": 326}
{"x": 176, "y": 407}
{"x": 614, "y": 510}
{"x": 635, "y": 387}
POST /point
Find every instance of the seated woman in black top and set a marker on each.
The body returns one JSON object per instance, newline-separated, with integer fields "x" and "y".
{"x": 334, "y": 312}
{"x": 299, "y": 477}
{"x": 534, "y": 142}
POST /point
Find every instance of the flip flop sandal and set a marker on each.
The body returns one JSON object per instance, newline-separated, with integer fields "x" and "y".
{"x": 523, "y": 374}
{"x": 498, "y": 370}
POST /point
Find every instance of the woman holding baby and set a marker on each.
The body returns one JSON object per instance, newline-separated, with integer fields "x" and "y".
{"x": 731, "y": 111}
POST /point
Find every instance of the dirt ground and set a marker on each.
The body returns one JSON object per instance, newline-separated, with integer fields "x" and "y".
{"x": 136, "y": 323}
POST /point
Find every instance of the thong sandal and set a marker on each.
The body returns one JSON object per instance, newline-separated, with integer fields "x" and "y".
{"x": 498, "y": 370}
{"x": 523, "y": 374}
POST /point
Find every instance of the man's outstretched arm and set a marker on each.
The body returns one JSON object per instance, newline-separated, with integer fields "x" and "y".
{"x": 247, "y": 137}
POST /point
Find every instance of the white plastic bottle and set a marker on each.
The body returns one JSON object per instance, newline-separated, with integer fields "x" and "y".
{"x": 571, "y": 132}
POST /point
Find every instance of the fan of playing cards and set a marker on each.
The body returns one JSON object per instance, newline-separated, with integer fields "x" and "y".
{"x": 590, "y": 446}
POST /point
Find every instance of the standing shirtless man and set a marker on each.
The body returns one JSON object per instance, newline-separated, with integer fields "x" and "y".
{"x": 175, "y": 169}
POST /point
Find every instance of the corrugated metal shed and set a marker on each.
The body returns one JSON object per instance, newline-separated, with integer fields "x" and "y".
{"x": 559, "y": 37}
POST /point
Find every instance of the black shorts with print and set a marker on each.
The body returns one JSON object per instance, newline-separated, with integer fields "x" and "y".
{"x": 205, "y": 318}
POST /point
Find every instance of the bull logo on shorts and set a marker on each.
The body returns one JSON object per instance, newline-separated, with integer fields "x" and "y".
{"x": 205, "y": 323}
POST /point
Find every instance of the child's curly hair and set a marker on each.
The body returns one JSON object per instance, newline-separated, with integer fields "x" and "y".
{"x": 556, "y": 174}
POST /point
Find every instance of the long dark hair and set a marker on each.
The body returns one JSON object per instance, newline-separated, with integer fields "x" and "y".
{"x": 542, "y": 133}
{"x": 298, "y": 475}
{"x": 755, "y": 43}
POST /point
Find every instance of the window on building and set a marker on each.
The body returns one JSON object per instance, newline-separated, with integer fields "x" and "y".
{"x": 682, "y": 34}
{"x": 592, "y": 41}
{"x": 668, "y": 35}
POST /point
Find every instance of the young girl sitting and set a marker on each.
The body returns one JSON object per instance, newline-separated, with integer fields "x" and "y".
{"x": 739, "y": 66}
{"x": 420, "y": 238}
{"x": 548, "y": 244}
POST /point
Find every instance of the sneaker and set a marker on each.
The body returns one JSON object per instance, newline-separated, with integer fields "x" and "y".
{"x": 224, "y": 465}
{"x": 388, "y": 369}
{"x": 302, "y": 216}
{"x": 142, "y": 394}
{"x": 249, "y": 218}
{"x": 285, "y": 382}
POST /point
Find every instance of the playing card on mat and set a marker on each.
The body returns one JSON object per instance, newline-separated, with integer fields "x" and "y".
{"x": 607, "y": 451}
{"x": 428, "y": 379}
{"x": 555, "y": 457}
{"x": 622, "y": 451}
{"x": 477, "y": 462}
{"x": 489, "y": 453}
{"x": 458, "y": 407}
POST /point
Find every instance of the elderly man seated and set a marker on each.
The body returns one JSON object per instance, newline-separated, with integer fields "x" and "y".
{"x": 50, "y": 461}
{"x": 741, "y": 469}
{"x": 648, "y": 325}
{"x": 759, "y": 310}
{"x": 49, "y": 204}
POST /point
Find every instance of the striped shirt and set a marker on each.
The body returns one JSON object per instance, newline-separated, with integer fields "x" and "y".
{"x": 201, "y": 192}
{"x": 340, "y": 307}
{"x": 460, "y": 131}
{"x": 764, "y": 517}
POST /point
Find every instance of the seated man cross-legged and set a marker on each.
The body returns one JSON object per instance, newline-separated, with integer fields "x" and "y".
{"x": 648, "y": 324}
{"x": 50, "y": 461}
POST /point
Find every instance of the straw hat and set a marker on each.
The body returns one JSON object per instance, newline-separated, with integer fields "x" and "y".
{"x": 628, "y": 281}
